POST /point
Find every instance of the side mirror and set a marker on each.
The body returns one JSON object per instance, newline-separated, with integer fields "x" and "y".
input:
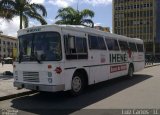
{"x": 71, "y": 41}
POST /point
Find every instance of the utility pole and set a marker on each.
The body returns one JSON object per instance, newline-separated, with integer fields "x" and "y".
{"x": 154, "y": 28}
{"x": 77, "y": 5}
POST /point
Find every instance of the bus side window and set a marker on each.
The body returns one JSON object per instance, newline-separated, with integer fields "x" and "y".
{"x": 76, "y": 48}
{"x": 123, "y": 45}
{"x": 101, "y": 43}
{"x": 140, "y": 47}
{"x": 133, "y": 47}
{"x": 68, "y": 49}
{"x": 96, "y": 43}
{"x": 112, "y": 44}
{"x": 93, "y": 42}
{"x": 81, "y": 45}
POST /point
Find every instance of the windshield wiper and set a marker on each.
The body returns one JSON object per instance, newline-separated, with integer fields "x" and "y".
{"x": 36, "y": 58}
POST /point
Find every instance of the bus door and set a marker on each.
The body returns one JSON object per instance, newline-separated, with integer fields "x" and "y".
{"x": 98, "y": 58}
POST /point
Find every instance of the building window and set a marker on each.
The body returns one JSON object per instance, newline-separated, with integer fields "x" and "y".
{"x": 8, "y": 43}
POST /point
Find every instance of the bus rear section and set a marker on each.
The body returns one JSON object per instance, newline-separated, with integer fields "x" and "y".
{"x": 139, "y": 56}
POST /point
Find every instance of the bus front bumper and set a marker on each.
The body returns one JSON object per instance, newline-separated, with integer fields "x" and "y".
{"x": 48, "y": 88}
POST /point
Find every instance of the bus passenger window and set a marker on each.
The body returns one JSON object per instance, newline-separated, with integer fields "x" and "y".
{"x": 93, "y": 42}
{"x": 68, "y": 45}
{"x": 96, "y": 43}
{"x": 133, "y": 47}
{"x": 81, "y": 45}
{"x": 112, "y": 44}
{"x": 80, "y": 48}
{"x": 123, "y": 45}
{"x": 140, "y": 47}
{"x": 101, "y": 43}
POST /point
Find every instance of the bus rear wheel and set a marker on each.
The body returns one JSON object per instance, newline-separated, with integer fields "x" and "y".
{"x": 77, "y": 84}
{"x": 130, "y": 71}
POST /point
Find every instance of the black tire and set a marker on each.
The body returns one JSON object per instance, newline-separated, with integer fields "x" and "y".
{"x": 130, "y": 71}
{"x": 77, "y": 84}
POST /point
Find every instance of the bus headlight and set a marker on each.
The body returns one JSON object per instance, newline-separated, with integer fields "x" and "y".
{"x": 49, "y": 74}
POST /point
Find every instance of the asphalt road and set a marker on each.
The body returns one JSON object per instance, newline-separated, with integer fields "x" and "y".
{"x": 140, "y": 92}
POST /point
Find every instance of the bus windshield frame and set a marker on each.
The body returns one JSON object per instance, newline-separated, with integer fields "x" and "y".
{"x": 40, "y": 46}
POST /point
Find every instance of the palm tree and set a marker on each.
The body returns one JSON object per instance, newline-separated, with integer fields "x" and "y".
{"x": 5, "y": 14}
{"x": 24, "y": 9}
{"x": 75, "y": 17}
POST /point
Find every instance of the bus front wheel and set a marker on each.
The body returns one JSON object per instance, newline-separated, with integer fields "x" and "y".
{"x": 77, "y": 84}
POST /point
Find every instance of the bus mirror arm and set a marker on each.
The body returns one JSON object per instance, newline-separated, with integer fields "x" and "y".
{"x": 20, "y": 57}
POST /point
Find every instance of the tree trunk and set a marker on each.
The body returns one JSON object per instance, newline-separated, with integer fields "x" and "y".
{"x": 21, "y": 19}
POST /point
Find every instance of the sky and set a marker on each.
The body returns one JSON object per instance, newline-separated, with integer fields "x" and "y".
{"x": 102, "y": 9}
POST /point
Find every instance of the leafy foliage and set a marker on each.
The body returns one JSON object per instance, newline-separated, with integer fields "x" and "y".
{"x": 24, "y": 9}
{"x": 74, "y": 17}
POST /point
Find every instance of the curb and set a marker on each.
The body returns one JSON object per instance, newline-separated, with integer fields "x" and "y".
{"x": 16, "y": 95}
{"x": 152, "y": 66}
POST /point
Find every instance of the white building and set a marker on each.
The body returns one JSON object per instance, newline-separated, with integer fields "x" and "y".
{"x": 8, "y": 46}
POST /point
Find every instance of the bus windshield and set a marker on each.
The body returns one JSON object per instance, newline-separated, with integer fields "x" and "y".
{"x": 43, "y": 46}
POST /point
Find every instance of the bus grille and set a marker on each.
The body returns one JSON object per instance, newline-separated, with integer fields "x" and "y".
{"x": 31, "y": 76}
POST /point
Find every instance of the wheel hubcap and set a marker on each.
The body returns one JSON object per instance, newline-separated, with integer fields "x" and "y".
{"x": 76, "y": 84}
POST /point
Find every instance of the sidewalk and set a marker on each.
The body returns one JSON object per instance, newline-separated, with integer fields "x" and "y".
{"x": 6, "y": 84}
{"x": 150, "y": 65}
{"x": 6, "y": 67}
{"x": 7, "y": 90}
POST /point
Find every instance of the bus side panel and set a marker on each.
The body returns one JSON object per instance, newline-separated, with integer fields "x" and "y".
{"x": 117, "y": 68}
{"x": 70, "y": 67}
{"x": 139, "y": 62}
{"x": 99, "y": 70}
{"x": 67, "y": 78}
{"x": 140, "y": 58}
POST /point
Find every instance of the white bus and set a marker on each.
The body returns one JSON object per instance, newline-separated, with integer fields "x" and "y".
{"x": 64, "y": 57}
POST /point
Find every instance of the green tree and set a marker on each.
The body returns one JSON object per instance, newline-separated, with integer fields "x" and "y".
{"x": 5, "y": 14}
{"x": 25, "y": 10}
{"x": 75, "y": 17}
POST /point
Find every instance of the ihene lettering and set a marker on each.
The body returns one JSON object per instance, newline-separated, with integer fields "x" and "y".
{"x": 118, "y": 58}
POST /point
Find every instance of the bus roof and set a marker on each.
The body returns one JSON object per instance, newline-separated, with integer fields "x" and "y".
{"x": 78, "y": 28}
